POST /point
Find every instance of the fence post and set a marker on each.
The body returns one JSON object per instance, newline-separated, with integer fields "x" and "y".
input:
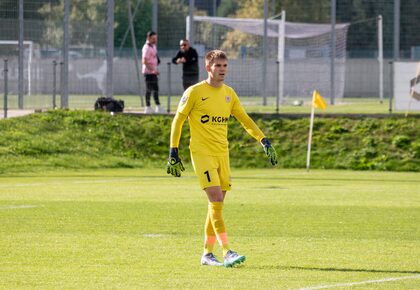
{"x": 61, "y": 83}
{"x": 5, "y": 89}
{"x": 392, "y": 86}
{"x": 169, "y": 87}
{"x": 54, "y": 104}
{"x": 278, "y": 88}
{"x": 21, "y": 56}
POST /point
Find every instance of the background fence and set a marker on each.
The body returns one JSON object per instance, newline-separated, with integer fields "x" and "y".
{"x": 42, "y": 24}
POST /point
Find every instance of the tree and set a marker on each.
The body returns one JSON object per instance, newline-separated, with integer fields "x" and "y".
{"x": 312, "y": 11}
{"x": 227, "y": 8}
{"x": 171, "y": 23}
{"x": 87, "y": 23}
{"x": 142, "y": 22}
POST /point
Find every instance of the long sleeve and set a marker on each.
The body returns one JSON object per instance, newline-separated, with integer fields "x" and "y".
{"x": 178, "y": 55}
{"x": 176, "y": 129}
{"x": 239, "y": 113}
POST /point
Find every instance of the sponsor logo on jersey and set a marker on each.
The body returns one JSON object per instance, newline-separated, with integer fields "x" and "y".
{"x": 205, "y": 119}
{"x": 203, "y": 99}
{"x": 219, "y": 119}
{"x": 228, "y": 99}
{"x": 215, "y": 120}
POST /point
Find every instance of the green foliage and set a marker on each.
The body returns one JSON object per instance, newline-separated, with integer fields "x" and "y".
{"x": 227, "y": 8}
{"x": 142, "y": 22}
{"x": 88, "y": 139}
{"x": 401, "y": 141}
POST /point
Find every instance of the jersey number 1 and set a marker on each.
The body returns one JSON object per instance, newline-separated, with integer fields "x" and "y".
{"x": 208, "y": 176}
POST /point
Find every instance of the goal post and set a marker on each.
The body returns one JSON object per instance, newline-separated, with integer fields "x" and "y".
{"x": 300, "y": 50}
{"x": 299, "y": 55}
{"x": 10, "y": 49}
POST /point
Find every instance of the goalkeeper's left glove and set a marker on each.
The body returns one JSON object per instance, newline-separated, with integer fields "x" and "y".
{"x": 269, "y": 150}
{"x": 174, "y": 165}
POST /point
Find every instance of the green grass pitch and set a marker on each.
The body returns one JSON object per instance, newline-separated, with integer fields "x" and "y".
{"x": 142, "y": 229}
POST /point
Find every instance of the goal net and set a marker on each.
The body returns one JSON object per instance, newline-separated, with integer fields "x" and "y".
{"x": 9, "y": 49}
{"x": 299, "y": 55}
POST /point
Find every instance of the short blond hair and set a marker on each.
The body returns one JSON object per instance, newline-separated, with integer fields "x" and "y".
{"x": 214, "y": 55}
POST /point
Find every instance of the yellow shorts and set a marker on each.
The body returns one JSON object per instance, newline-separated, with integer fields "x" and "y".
{"x": 212, "y": 170}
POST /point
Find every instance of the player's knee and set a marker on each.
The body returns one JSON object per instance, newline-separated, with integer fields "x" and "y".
{"x": 214, "y": 194}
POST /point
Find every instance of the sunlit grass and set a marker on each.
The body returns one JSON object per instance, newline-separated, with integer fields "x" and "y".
{"x": 142, "y": 229}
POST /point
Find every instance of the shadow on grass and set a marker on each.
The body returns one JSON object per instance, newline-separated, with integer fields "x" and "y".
{"x": 330, "y": 269}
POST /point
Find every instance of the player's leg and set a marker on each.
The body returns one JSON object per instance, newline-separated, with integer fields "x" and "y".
{"x": 231, "y": 258}
{"x": 204, "y": 167}
{"x": 216, "y": 198}
{"x": 215, "y": 212}
{"x": 216, "y": 195}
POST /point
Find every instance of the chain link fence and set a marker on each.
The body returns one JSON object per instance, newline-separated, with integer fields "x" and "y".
{"x": 42, "y": 68}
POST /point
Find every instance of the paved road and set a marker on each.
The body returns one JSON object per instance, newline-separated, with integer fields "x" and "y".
{"x": 16, "y": 113}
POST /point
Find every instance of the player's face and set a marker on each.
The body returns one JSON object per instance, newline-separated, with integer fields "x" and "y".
{"x": 218, "y": 70}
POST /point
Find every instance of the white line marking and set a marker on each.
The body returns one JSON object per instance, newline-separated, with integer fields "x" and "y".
{"x": 153, "y": 235}
{"x": 361, "y": 283}
{"x": 72, "y": 182}
{"x": 17, "y": 206}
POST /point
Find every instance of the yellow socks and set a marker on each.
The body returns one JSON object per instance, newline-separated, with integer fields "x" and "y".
{"x": 215, "y": 214}
{"x": 210, "y": 236}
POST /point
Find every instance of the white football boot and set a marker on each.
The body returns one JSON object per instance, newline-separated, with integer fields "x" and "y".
{"x": 232, "y": 258}
{"x": 210, "y": 260}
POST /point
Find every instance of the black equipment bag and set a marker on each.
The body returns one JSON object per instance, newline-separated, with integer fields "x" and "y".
{"x": 109, "y": 105}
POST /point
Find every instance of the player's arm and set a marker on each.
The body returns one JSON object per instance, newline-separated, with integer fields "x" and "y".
{"x": 253, "y": 130}
{"x": 175, "y": 165}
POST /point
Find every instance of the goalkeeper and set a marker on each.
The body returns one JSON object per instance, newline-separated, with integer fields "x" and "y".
{"x": 208, "y": 106}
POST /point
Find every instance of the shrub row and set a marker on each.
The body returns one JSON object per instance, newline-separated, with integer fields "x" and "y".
{"x": 86, "y": 139}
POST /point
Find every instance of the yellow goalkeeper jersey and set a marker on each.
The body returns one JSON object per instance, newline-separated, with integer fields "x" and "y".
{"x": 208, "y": 110}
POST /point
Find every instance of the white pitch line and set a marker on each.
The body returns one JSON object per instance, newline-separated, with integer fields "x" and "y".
{"x": 72, "y": 182}
{"x": 153, "y": 235}
{"x": 17, "y": 206}
{"x": 361, "y": 283}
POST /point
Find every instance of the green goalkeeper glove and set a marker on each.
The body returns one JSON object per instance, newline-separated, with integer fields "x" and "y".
{"x": 269, "y": 150}
{"x": 174, "y": 165}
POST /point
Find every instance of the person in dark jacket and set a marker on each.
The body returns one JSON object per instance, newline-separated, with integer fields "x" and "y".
{"x": 188, "y": 56}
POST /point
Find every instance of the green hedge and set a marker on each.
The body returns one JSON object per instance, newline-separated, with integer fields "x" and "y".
{"x": 86, "y": 139}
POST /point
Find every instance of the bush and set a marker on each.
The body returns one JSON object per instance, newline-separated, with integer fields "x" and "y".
{"x": 88, "y": 139}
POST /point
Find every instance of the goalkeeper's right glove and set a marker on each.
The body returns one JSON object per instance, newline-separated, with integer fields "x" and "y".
{"x": 269, "y": 151}
{"x": 174, "y": 165}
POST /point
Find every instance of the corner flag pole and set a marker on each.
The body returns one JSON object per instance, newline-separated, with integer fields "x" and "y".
{"x": 317, "y": 102}
{"x": 308, "y": 157}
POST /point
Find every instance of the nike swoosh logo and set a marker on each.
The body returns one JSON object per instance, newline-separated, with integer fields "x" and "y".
{"x": 203, "y": 99}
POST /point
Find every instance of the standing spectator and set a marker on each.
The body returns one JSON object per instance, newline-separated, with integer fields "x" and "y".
{"x": 150, "y": 61}
{"x": 189, "y": 58}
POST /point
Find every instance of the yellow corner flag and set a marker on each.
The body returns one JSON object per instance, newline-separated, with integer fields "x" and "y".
{"x": 318, "y": 101}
